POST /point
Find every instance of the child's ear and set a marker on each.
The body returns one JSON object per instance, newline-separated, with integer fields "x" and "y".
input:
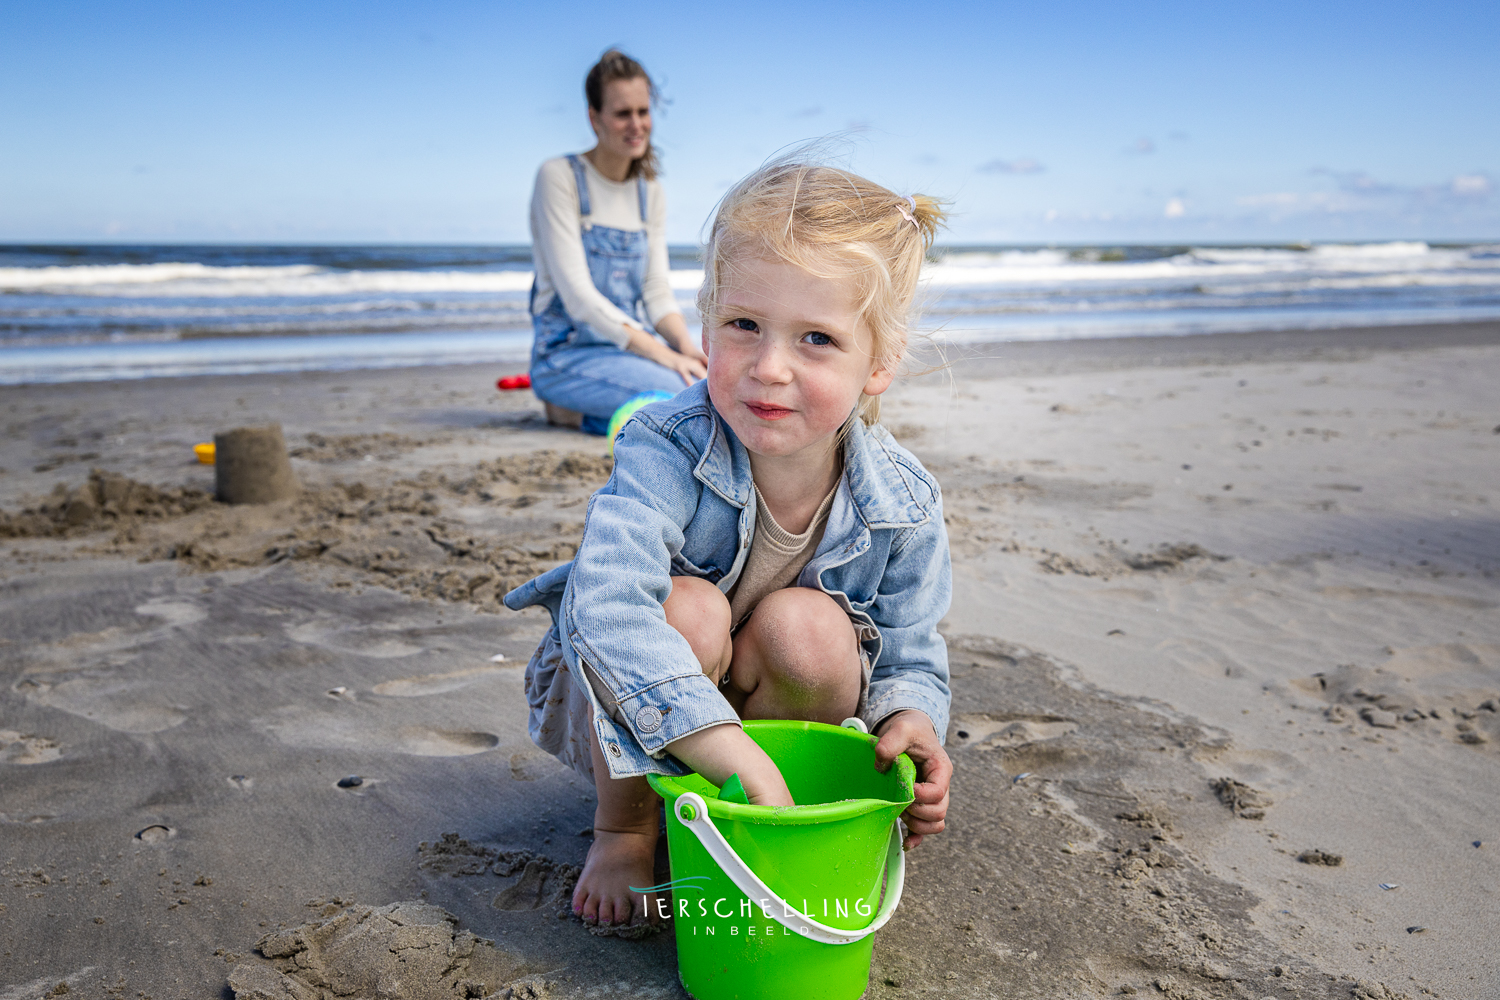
{"x": 880, "y": 380}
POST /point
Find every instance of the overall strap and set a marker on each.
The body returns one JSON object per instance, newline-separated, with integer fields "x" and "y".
{"x": 583, "y": 186}
{"x": 640, "y": 186}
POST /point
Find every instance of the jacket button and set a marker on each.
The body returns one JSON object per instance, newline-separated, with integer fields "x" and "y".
{"x": 614, "y": 749}
{"x": 648, "y": 719}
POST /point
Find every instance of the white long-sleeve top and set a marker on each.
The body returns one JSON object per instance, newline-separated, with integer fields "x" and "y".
{"x": 557, "y": 245}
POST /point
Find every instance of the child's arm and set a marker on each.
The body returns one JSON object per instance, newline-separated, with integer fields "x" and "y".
{"x": 718, "y": 752}
{"x": 908, "y": 699}
{"x": 613, "y": 614}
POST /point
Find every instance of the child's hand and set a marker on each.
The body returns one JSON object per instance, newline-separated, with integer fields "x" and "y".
{"x": 910, "y": 732}
{"x": 720, "y": 751}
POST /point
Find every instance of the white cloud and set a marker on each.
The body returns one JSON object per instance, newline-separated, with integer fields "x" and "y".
{"x": 1273, "y": 199}
{"x": 1025, "y": 165}
{"x": 1175, "y": 209}
{"x": 1361, "y": 189}
{"x": 1471, "y": 185}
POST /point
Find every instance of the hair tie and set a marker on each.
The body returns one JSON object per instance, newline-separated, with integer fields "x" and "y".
{"x": 910, "y": 216}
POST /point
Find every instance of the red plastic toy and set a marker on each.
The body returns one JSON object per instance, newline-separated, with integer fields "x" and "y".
{"x": 514, "y": 382}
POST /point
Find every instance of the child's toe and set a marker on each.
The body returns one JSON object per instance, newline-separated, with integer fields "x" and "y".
{"x": 606, "y": 911}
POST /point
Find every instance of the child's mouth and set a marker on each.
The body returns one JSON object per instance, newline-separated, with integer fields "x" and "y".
{"x": 768, "y": 412}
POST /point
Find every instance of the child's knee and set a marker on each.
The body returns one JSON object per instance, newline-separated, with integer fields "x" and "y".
{"x": 700, "y": 612}
{"x": 804, "y": 615}
{"x": 807, "y": 635}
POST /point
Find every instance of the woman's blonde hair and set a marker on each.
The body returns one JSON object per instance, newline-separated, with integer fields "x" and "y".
{"x": 616, "y": 65}
{"x": 833, "y": 224}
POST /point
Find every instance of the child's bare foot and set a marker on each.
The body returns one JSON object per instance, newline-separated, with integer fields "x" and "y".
{"x": 617, "y": 861}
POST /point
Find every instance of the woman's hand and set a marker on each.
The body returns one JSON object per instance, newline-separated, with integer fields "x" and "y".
{"x": 910, "y": 732}
{"x": 684, "y": 356}
{"x": 690, "y": 367}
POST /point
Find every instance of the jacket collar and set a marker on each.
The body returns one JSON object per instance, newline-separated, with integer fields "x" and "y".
{"x": 879, "y": 487}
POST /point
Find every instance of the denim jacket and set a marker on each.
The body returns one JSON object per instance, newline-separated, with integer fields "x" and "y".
{"x": 681, "y": 502}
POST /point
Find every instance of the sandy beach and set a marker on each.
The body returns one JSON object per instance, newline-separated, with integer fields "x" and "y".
{"x": 1226, "y": 677}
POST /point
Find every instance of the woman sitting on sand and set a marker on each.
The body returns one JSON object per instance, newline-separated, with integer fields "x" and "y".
{"x": 598, "y": 236}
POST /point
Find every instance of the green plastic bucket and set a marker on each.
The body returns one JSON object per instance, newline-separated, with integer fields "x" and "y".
{"x": 784, "y": 902}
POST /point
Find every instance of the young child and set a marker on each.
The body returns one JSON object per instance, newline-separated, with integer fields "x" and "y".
{"x": 763, "y": 549}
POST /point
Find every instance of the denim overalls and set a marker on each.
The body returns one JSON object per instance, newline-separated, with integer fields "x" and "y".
{"x": 572, "y": 365}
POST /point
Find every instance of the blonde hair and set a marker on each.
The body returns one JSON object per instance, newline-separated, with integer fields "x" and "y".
{"x": 833, "y": 224}
{"x": 616, "y": 65}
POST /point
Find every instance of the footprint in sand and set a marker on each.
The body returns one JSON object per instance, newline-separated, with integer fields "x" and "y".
{"x": 26, "y": 748}
{"x": 407, "y": 949}
{"x": 1416, "y": 684}
{"x": 93, "y": 690}
{"x": 176, "y": 614}
{"x": 1264, "y": 770}
{"x": 533, "y": 765}
{"x": 1408, "y": 597}
{"x": 30, "y": 818}
{"x": 299, "y": 727}
{"x": 994, "y": 731}
{"x": 424, "y": 742}
{"x": 381, "y": 642}
{"x": 542, "y": 881}
{"x": 426, "y": 684}
{"x": 49, "y": 986}
{"x": 1463, "y": 661}
{"x": 123, "y": 705}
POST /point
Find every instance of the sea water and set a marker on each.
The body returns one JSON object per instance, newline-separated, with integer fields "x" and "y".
{"x": 71, "y": 313}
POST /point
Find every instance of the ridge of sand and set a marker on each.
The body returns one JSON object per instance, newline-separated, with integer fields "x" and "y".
{"x": 391, "y": 534}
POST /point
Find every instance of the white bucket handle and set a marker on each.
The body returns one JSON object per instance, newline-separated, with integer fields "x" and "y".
{"x": 692, "y": 812}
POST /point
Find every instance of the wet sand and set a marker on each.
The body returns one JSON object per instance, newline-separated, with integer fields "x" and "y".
{"x": 1222, "y": 603}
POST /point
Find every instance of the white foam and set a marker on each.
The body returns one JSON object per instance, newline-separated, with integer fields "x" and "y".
{"x": 1005, "y": 268}
{"x": 19, "y": 279}
{"x": 1387, "y": 264}
{"x": 203, "y": 281}
{"x": 96, "y": 362}
{"x": 1006, "y": 258}
{"x": 1394, "y": 249}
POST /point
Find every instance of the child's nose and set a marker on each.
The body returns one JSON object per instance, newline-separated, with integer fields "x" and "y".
{"x": 771, "y": 363}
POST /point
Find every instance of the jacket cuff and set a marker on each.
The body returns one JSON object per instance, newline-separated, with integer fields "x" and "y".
{"x": 671, "y": 709}
{"x": 885, "y": 700}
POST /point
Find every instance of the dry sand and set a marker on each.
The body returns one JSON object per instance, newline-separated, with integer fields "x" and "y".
{"x": 1225, "y": 649}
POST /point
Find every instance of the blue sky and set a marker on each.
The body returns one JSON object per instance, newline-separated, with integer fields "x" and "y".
{"x": 335, "y": 122}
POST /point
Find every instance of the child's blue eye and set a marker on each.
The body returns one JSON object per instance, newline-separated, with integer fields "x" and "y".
{"x": 819, "y": 339}
{"x": 745, "y": 324}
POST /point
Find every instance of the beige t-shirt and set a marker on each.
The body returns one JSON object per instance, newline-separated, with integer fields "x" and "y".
{"x": 776, "y": 557}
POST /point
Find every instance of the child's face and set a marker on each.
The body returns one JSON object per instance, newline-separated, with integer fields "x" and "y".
{"x": 789, "y": 358}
